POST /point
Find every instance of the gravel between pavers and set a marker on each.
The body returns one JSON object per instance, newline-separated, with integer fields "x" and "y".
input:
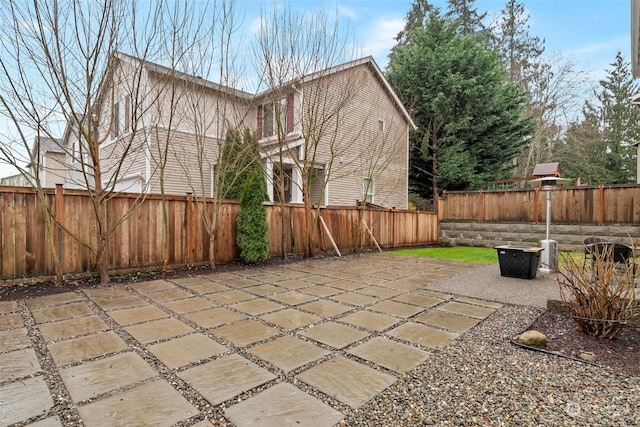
{"x": 480, "y": 379}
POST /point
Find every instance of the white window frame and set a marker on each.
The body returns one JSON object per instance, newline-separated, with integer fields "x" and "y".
{"x": 381, "y": 126}
{"x": 270, "y": 109}
{"x": 368, "y": 189}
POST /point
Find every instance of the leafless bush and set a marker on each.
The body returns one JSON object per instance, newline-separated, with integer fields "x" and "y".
{"x": 599, "y": 294}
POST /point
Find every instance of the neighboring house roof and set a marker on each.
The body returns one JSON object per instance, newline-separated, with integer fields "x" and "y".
{"x": 42, "y": 145}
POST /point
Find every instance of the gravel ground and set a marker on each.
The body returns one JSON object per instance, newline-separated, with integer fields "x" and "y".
{"x": 482, "y": 379}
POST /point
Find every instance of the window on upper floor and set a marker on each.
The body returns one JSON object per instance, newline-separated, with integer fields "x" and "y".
{"x": 272, "y": 115}
{"x": 381, "y": 126}
{"x": 120, "y": 120}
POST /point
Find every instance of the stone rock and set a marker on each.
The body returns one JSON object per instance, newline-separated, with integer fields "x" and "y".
{"x": 534, "y": 338}
{"x": 587, "y": 356}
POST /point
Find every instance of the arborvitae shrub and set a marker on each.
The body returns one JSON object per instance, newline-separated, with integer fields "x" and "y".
{"x": 253, "y": 239}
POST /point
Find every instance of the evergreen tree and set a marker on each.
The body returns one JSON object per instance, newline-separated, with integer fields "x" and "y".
{"x": 239, "y": 152}
{"x": 414, "y": 20}
{"x": 519, "y": 51}
{"x": 612, "y": 125}
{"x": 252, "y": 238}
{"x": 469, "y": 117}
{"x": 466, "y": 17}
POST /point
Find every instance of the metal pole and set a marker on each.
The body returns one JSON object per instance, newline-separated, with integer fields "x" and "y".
{"x": 548, "y": 213}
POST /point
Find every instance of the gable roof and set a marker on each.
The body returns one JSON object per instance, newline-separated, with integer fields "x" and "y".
{"x": 368, "y": 61}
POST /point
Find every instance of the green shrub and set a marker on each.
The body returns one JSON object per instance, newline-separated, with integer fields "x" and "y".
{"x": 252, "y": 238}
{"x": 600, "y": 295}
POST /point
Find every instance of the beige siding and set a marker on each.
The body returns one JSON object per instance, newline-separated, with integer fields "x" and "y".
{"x": 54, "y": 169}
{"x": 338, "y": 115}
{"x": 358, "y": 101}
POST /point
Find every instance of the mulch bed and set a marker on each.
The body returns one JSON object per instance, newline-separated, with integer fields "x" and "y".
{"x": 621, "y": 354}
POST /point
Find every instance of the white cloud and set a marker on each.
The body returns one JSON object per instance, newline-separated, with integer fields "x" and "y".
{"x": 380, "y": 38}
{"x": 346, "y": 12}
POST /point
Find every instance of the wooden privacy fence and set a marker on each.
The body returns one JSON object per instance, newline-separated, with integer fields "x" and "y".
{"x": 614, "y": 204}
{"x": 138, "y": 242}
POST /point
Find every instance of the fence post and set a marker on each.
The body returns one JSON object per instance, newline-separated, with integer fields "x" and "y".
{"x": 189, "y": 230}
{"x": 601, "y": 204}
{"x": 481, "y": 207}
{"x": 59, "y": 218}
{"x": 393, "y": 227}
{"x": 536, "y": 205}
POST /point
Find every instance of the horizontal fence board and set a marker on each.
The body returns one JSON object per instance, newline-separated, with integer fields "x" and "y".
{"x": 614, "y": 204}
{"x": 139, "y": 237}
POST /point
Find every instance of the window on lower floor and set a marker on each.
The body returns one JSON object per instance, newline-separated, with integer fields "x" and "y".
{"x": 368, "y": 189}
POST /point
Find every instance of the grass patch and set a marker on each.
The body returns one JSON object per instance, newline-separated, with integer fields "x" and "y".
{"x": 456, "y": 253}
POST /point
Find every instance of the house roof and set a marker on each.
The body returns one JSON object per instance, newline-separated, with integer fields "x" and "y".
{"x": 367, "y": 60}
{"x": 44, "y": 144}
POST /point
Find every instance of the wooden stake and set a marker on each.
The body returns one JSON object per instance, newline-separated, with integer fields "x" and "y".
{"x": 333, "y": 242}
{"x": 371, "y": 234}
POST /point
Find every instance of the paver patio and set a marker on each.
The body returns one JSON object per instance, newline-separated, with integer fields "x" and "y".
{"x": 257, "y": 345}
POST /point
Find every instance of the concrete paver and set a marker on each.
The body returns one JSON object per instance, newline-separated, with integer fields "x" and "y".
{"x": 61, "y": 312}
{"x": 130, "y": 316}
{"x": 390, "y": 354}
{"x": 418, "y": 299}
{"x": 24, "y": 399}
{"x": 225, "y": 378}
{"x": 350, "y": 382}
{"x": 11, "y": 320}
{"x": 245, "y": 332}
{"x": 334, "y": 334}
{"x": 213, "y": 317}
{"x": 470, "y": 310}
{"x": 372, "y": 321}
{"x": 94, "y": 378}
{"x": 163, "y": 406}
{"x": 8, "y": 306}
{"x": 423, "y": 335}
{"x": 64, "y": 329}
{"x": 291, "y": 318}
{"x": 52, "y": 300}
{"x": 283, "y": 405}
{"x": 172, "y": 353}
{"x": 86, "y": 347}
{"x": 228, "y": 333}
{"x": 288, "y": 353}
{"x": 188, "y": 305}
{"x": 230, "y": 297}
{"x": 14, "y": 339}
{"x": 18, "y": 363}
{"x": 325, "y": 308}
{"x": 158, "y": 329}
{"x": 395, "y": 308}
{"x": 257, "y": 306}
{"x": 292, "y": 297}
{"x": 444, "y": 319}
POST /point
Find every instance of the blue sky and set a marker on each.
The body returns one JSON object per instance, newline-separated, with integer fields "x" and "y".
{"x": 590, "y": 32}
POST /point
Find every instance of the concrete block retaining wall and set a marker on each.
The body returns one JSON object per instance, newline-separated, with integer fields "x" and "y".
{"x": 569, "y": 237}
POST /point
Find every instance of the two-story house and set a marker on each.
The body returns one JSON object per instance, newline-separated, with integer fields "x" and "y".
{"x": 341, "y": 133}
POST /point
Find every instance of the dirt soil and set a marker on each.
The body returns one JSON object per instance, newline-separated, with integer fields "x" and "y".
{"x": 621, "y": 354}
